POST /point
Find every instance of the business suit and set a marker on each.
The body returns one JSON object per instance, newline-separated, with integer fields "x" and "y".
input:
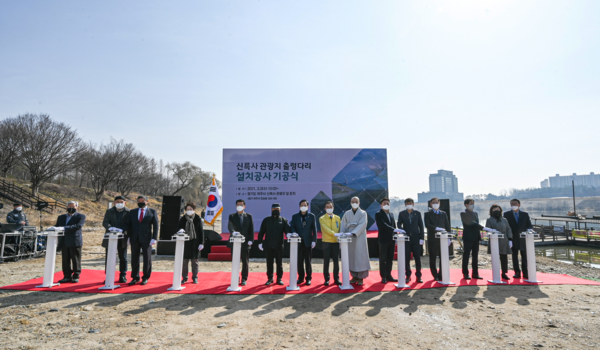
{"x": 71, "y": 243}
{"x": 471, "y": 238}
{"x": 386, "y": 224}
{"x": 246, "y": 229}
{"x": 519, "y": 246}
{"x": 272, "y": 233}
{"x": 114, "y": 218}
{"x": 412, "y": 223}
{"x": 140, "y": 233}
{"x": 433, "y": 220}
{"x": 306, "y": 227}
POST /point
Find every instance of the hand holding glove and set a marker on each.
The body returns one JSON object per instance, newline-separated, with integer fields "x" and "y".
{"x": 182, "y": 231}
{"x": 421, "y": 242}
{"x": 312, "y": 245}
{"x": 260, "y": 247}
{"x": 152, "y": 242}
{"x": 235, "y": 233}
{"x": 510, "y": 244}
{"x": 200, "y": 247}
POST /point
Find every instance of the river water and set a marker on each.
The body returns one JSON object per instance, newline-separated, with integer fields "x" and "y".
{"x": 571, "y": 254}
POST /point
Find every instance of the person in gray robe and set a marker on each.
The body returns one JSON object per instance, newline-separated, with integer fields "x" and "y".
{"x": 497, "y": 222}
{"x": 354, "y": 221}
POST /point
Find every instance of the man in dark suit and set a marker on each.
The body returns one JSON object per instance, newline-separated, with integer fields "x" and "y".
{"x": 273, "y": 230}
{"x": 519, "y": 222}
{"x": 386, "y": 225}
{"x": 471, "y": 238}
{"x": 141, "y": 225}
{"x": 435, "y": 219}
{"x": 305, "y": 225}
{"x": 114, "y": 218}
{"x": 410, "y": 220}
{"x": 243, "y": 223}
{"x": 71, "y": 243}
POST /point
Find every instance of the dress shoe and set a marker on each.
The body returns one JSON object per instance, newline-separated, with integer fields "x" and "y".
{"x": 467, "y": 277}
{"x": 353, "y": 280}
{"x": 337, "y": 282}
{"x": 517, "y": 275}
{"x": 407, "y": 281}
{"x": 280, "y": 282}
{"x": 65, "y": 280}
{"x": 195, "y": 280}
{"x": 525, "y": 277}
{"x": 269, "y": 282}
{"x": 505, "y": 277}
{"x": 308, "y": 282}
{"x": 144, "y": 282}
{"x": 384, "y": 280}
{"x": 75, "y": 280}
{"x": 184, "y": 280}
{"x": 360, "y": 281}
{"x": 391, "y": 279}
{"x": 419, "y": 280}
{"x": 123, "y": 279}
{"x": 243, "y": 282}
{"x": 134, "y": 281}
{"x": 299, "y": 281}
{"x": 326, "y": 283}
{"x": 478, "y": 277}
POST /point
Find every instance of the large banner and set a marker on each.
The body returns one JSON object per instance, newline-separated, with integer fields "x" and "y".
{"x": 262, "y": 177}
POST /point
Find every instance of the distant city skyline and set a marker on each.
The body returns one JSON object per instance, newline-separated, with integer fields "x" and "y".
{"x": 558, "y": 181}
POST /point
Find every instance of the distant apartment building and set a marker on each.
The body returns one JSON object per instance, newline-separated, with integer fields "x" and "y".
{"x": 443, "y": 185}
{"x": 591, "y": 180}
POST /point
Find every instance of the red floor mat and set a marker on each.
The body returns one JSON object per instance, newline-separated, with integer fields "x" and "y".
{"x": 217, "y": 283}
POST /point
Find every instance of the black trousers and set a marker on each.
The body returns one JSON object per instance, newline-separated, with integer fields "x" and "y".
{"x": 434, "y": 252}
{"x": 471, "y": 248}
{"x": 135, "y": 259}
{"x": 515, "y": 259}
{"x": 122, "y": 254}
{"x": 245, "y": 257}
{"x": 304, "y": 262}
{"x": 277, "y": 254}
{"x": 414, "y": 248}
{"x": 386, "y": 258}
{"x": 71, "y": 262}
{"x": 504, "y": 263}
{"x": 331, "y": 251}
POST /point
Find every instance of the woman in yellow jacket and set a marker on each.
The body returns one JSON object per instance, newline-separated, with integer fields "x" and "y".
{"x": 330, "y": 225}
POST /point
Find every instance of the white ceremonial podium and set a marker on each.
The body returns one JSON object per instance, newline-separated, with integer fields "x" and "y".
{"x": 237, "y": 241}
{"x": 179, "y": 239}
{"x": 495, "y": 250}
{"x": 294, "y": 239}
{"x": 344, "y": 239}
{"x": 401, "y": 257}
{"x": 444, "y": 256}
{"x": 50, "y": 263}
{"x": 111, "y": 259}
{"x": 531, "y": 264}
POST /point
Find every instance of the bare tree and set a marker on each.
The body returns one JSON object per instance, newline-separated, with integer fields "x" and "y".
{"x": 134, "y": 174}
{"x": 183, "y": 174}
{"x": 47, "y": 147}
{"x": 9, "y": 145}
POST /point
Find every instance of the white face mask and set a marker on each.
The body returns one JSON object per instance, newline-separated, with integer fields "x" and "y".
{"x": 304, "y": 209}
{"x": 514, "y": 207}
{"x": 190, "y": 212}
{"x": 409, "y": 207}
{"x": 120, "y": 205}
{"x": 435, "y": 206}
{"x": 471, "y": 206}
{"x": 386, "y": 207}
{"x": 239, "y": 208}
{"x": 329, "y": 210}
{"x": 354, "y": 205}
{"x": 19, "y": 208}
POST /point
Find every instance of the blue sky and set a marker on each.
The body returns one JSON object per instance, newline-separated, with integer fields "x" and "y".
{"x": 503, "y": 93}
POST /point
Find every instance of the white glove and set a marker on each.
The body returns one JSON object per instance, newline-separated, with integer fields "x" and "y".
{"x": 152, "y": 242}
{"x": 439, "y": 229}
{"x": 338, "y": 234}
{"x": 449, "y": 242}
{"x": 510, "y": 244}
{"x": 201, "y": 246}
{"x": 312, "y": 245}
{"x": 260, "y": 246}
{"x": 421, "y": 242}
{"x": 235, "y": 233}
{"x": 114, "y": 229}
{"x": 51, "y": 228}
{"x": 59, "y": 229}
{"x": 487, "y": 229}
{"x": 397, "y": 230}
{"x": 250, "y": 243}
{"x": 128, "y": 242}
{"x": 181, "y": 231}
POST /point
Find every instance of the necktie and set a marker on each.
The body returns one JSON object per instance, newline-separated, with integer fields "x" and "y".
{"x": 141, "y": 215}
{"x": 517, "y": 216}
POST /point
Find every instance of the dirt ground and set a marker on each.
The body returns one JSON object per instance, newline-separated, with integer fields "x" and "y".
{"x": 451, "y": 318}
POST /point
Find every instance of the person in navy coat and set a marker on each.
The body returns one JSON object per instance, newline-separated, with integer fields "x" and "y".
{"x": 519, "y": 222}
{"x": 71, "y": 243}
{"x": 305, "y": 225}
{"x": 141, "y": 225}
{"x": 410, "y": 220}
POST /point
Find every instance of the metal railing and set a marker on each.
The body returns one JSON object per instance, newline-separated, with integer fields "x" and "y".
{"x": 15, "y": 193}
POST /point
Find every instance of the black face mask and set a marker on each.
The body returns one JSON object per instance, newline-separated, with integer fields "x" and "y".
{"x": 275, "y": 213}
{"x": 496, "y": 214}
{"x": 141, "y": 205}
{"x": 71, "y": 210}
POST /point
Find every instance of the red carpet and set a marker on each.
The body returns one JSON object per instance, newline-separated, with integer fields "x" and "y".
{"x": 217, "y": 283}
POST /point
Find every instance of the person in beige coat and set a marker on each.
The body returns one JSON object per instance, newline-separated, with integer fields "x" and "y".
{"x": 354, "y": 221}
{"x": 497, "y": 222}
